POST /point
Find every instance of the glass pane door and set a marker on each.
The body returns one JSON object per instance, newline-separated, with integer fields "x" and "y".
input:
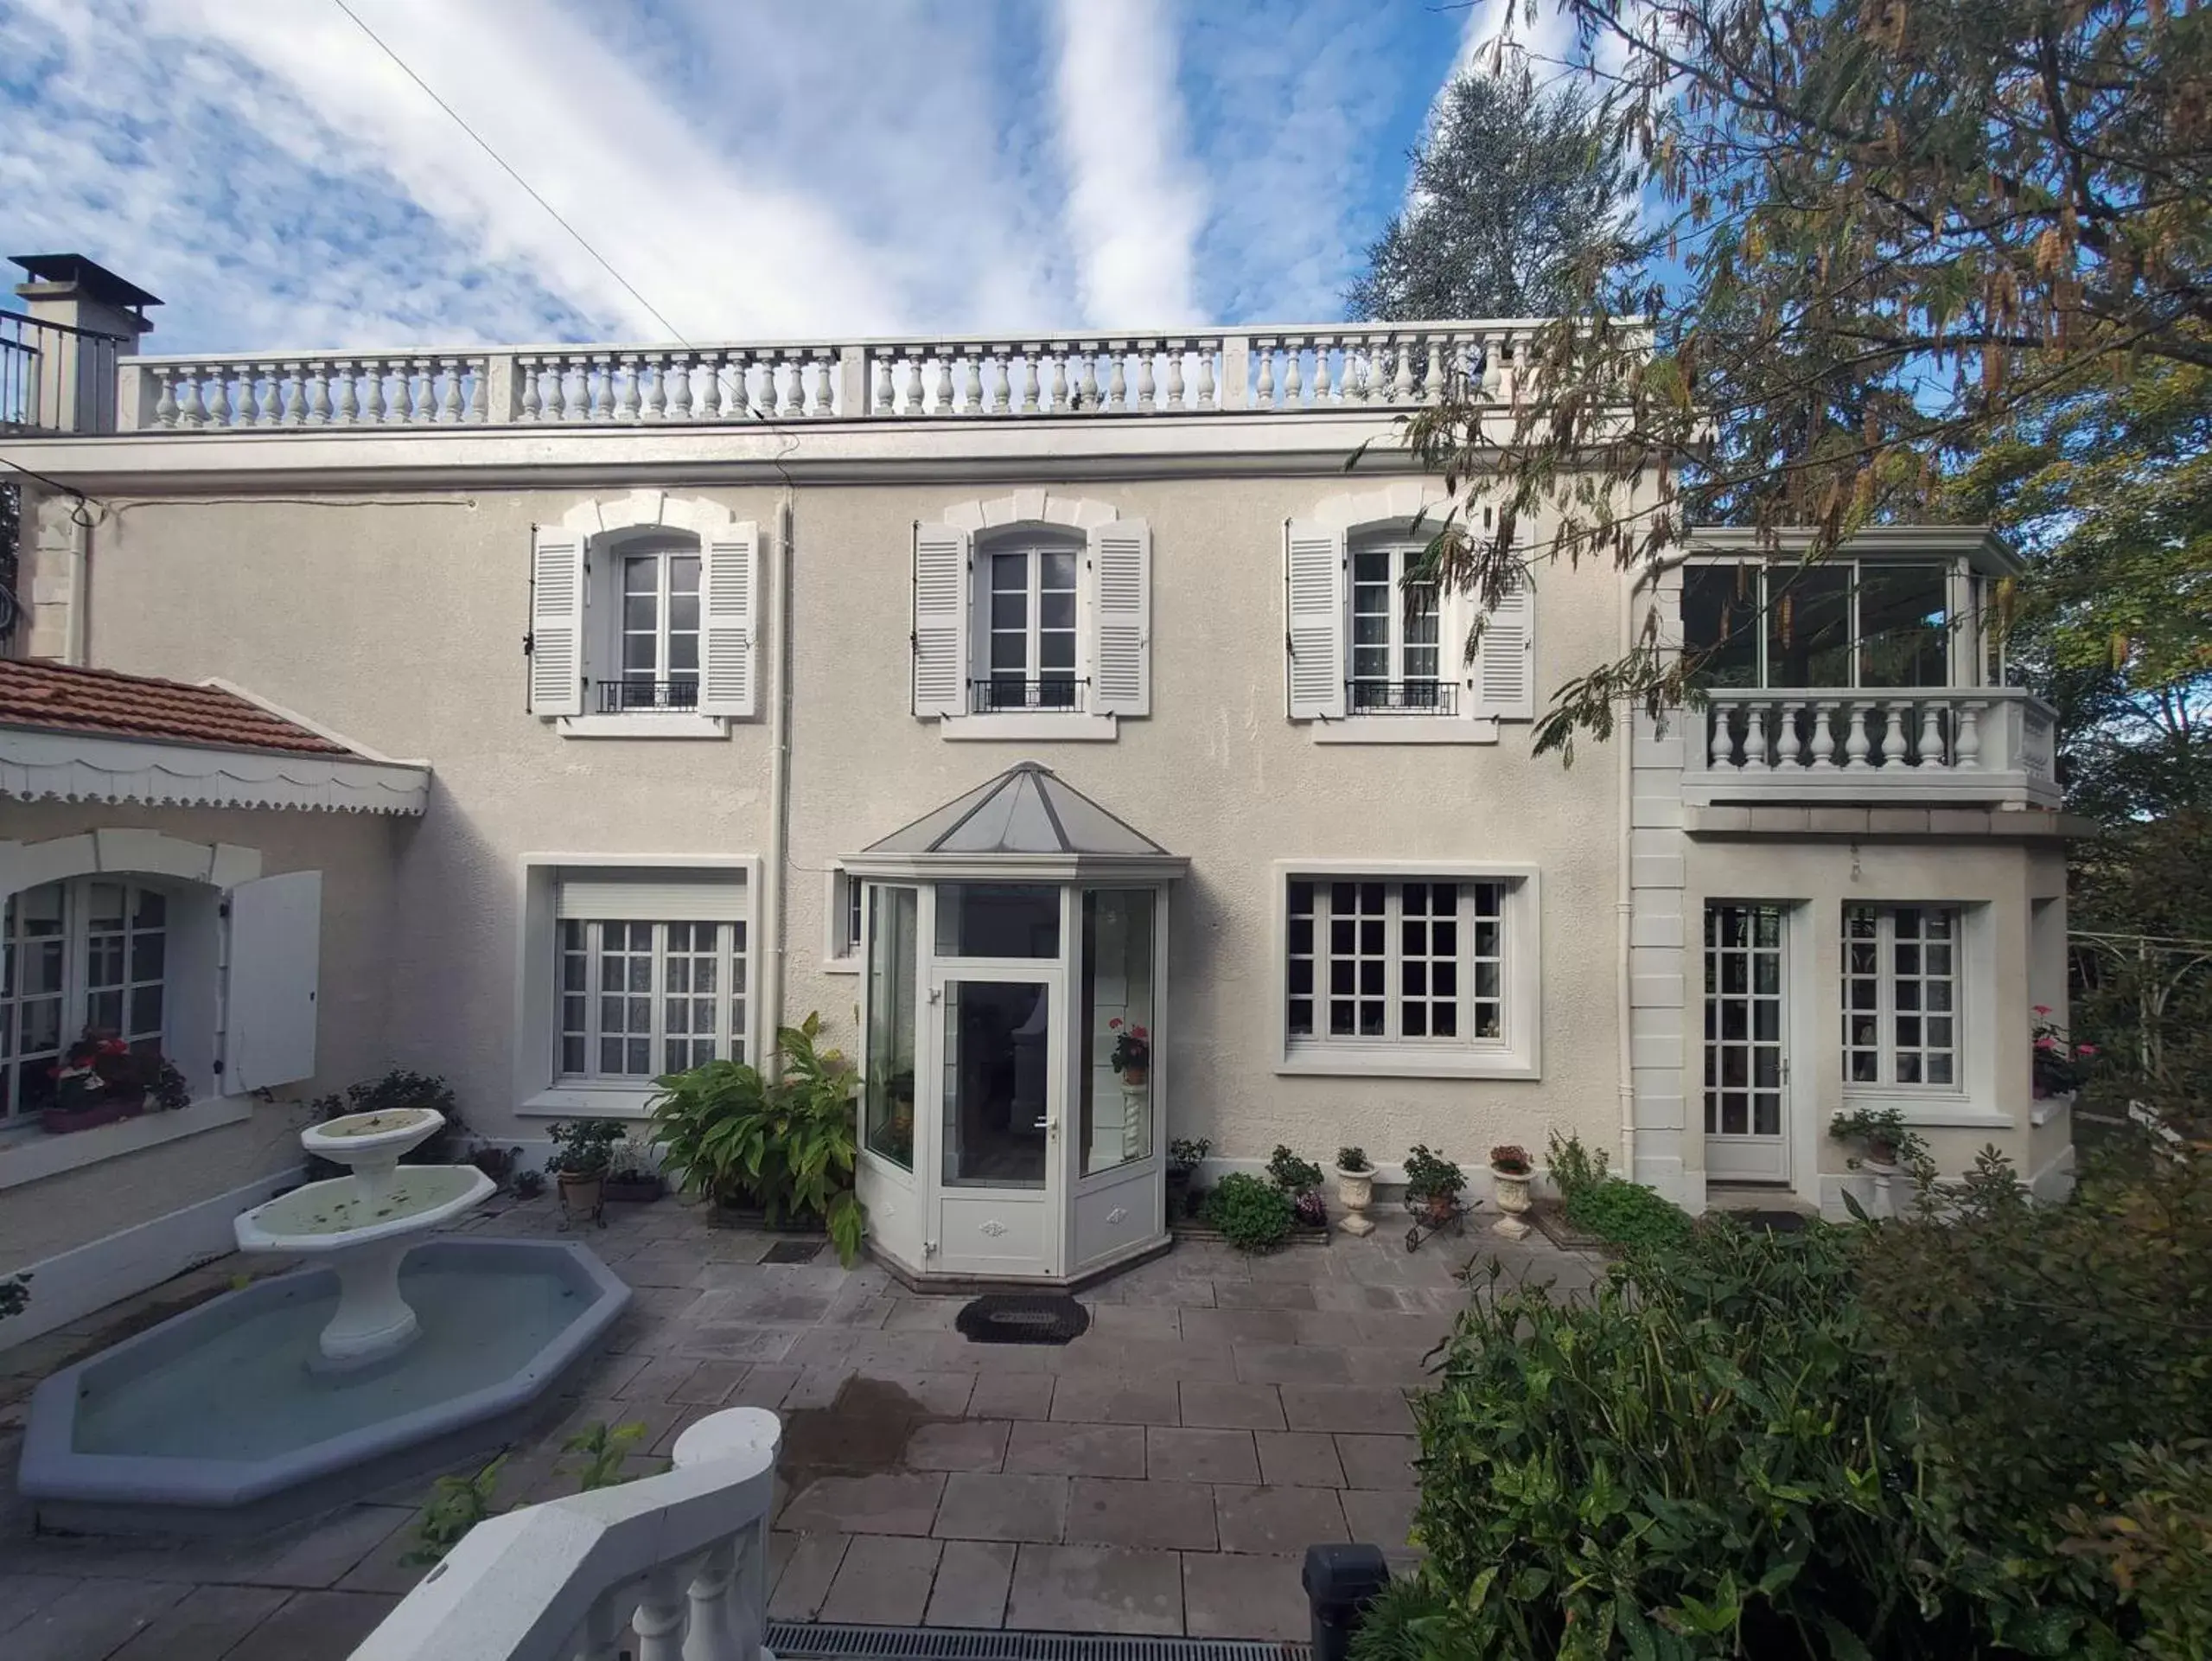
{"x": 1745, "y": 1073}
{"x": 996, "y": 1089}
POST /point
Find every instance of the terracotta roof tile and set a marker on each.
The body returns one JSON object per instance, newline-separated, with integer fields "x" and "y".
{"x": 49, "y": 696}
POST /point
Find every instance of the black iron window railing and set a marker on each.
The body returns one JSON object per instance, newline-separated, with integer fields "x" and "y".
{"x": 1003, "y": 692}
{"x": 1400, "y": 697}
{"x": 617, "y": 697}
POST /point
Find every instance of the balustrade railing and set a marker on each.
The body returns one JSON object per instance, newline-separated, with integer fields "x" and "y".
{"x": 1889, "y": 745}
{"x": 1203, "y": 373}
{"x": 678, "y": 1560}
{"x": 55, "y": 378}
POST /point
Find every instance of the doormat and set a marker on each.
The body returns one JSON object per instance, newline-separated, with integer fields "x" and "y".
{"x": 1022, "y": 1318}
{"x": 793, "y": 1251}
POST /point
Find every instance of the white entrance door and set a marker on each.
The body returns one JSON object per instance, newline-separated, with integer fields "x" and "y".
{"x": 1747, "y": 1065}
{"x": 996, "y": 1063}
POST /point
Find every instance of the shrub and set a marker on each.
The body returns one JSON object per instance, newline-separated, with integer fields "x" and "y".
{"x": 1253, "y": 1215}
{"x": 1353, "y": 1159}
{"x": 1628, "y": 1214}
{"x": 1574, "y": 1168}
{"x": 1293, "y": 1175}
{"x": 1429, "y": 1174}
{"x": 787, "y": 1144}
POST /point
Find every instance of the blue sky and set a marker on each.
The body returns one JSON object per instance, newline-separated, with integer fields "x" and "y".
{"x": 756, "y": 168}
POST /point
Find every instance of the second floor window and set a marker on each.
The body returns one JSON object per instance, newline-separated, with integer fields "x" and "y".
{"x": 1841, "y": 623}
{"x": 1031, "y": 630}
{"x": 660, "y": 625}
{"x": 1396, "y": 646}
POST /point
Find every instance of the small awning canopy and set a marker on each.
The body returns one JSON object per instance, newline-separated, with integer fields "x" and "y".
{"x": 1027, "y": 822}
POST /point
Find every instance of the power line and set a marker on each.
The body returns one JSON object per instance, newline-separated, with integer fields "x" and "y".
{"x": 675, "y": 333}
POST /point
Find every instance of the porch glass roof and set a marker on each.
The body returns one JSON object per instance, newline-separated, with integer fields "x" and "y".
{"x": 1025, "y": 811}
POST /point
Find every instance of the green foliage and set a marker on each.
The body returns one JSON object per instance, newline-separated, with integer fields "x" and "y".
{"x": 1575, "y": 1169}
{"x": 1254, "y": 1216}
{"x": 1882, "y": 1133}
{"x": 599, "y": 1452}
{"x": 398, "y": 1089}
{"x": 1429, "y": 1175}
{"x": 1353, "y": 1159}
{"x": 1628, "y": 1215}
{"x": 1185, "y": 1155}
{"x": 1293, "y": 1175}
{"x": 584, "y": 1147}
{"x": 1409, "y": 1620}
{"x": 2156, "y": 1544}
{"x": 1512, "y": 182}
{"x": 787, "y": 1144}
{"x": 457, "y": 1504}
{"x": 15, "y": 1295}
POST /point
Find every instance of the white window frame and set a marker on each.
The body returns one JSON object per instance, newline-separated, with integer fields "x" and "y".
{"x": 1031, "y": 547}
{"x": 841, "y": 898}
{"x": 1886, "y": 1047}
{"x": 733, "y": 998}
{"x": 76, "y": 991}
{"x": 1398, "y": 553}
{"x": 1964, "y": 657}
{"x": 663, "y": 548}
{"x": 1515, "y": 1053}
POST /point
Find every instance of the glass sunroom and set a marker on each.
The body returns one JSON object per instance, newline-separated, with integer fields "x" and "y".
{"x": 1015, "y": 945}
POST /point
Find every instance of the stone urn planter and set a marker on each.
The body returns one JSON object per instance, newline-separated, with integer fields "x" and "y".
{"x": 1356, "y": 1192}
{"x": 1510, "y": 1174}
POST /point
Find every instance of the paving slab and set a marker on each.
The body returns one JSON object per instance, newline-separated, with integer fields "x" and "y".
{"x": 763, "y": 1386}
{"x": 889, "y": 1503}
{"x": 945, "y": 1394}
{"x": 1251, "y": 1325}
{"x": 1298, "y": 1458}
{"x": 1379, "y": 1461}
{"x": 1098, "y": 1590}
{"x": 987, "y": 1505}
{"x": 1278, "y": 1520}
{"x": 205, "y": 1625}
{"x": 1173, "y": 1454}
{"x": 1291, "y": 1363}
{"x": 1181, "y": 1294}
{"x": 315, "y": 1627}
{"x": 1231, "y": 1406}
{"x": 1115, "y": 1320}
{"x": 1373, "y": 1408}
{"x": 1044, "y": 1449}
{"x": 1114, "y": 1401}
{"x": 811, "y": 1563}
{"x": 973, "y": 1578}
{"x": 22, "y": 1596}
{"x": 1266, "y": 1294}
{"x": 1011, "y": 1396}
{"x": 883, "y": 1581}
{"x": 1232, "y": 1594}
{"x": 94, "y": 1618}
{"x": 1165, "y": 1516}
{"x": 1380, "y": 1517}
{"x": 962, "y": 1445}
{"x": 709, "y": 1382}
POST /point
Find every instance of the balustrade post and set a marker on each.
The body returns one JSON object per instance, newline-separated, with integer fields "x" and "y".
{"x": 1401, "y": 384}
{"x": 1293, "y": 380}
{"x": 1855, "y": 740}
{"x": 794, "y": 402}
{"x": 1755, "y": 736}
{"x": 1205, "y": 378}
{"x": 1893, "y": 741}
{"x": 165, "y": 406}
{"x": 1264, "y": 388}
{"x": 1720, "y": 747}
{"x": 1824, "y": 734}
{"x": 317, "y": 413}
{"x": 219, "y": 398}
{"x": 1236, "y": 371}
{"x": 1147, "y": 391}
{"x": 1931, "y": 734}
{"x": 663, "y": 1611}
{"x": 1432, "y": 382}
{"x": 1968, "y": 746}
{"x": 368, "y": 386}
{"x": 449, "y": 402}
{"x": 266, "y": 382}
{"x": 1030, "y": 388}
{"x": 480, "y": 389}
{"x": 1320, "y": 371}
{"x": 655, "y": 406}
{"x": 1055, "y": 394}
{"x": 883, "y": 393}
{"x": 347, "y": 412}
{"x": 1786, "y": 740}
{"x": 1083, "y": 394}
{"x": 678, "y": 377}
{"x": 1118, "y": 387}
{"x": 1175, "y": 376}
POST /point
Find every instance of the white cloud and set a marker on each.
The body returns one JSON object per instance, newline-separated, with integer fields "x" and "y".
{"x": 1135, "y": 204}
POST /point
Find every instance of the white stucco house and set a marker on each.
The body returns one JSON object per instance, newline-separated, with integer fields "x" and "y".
{"x": 992, "y": 697}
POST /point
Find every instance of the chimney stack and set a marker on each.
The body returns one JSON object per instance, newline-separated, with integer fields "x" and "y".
{"x": 97, "y": 317}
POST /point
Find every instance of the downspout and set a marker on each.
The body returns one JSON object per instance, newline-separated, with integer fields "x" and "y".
{"x": 772, "y": 875}
{"x": 1624, "y": 901}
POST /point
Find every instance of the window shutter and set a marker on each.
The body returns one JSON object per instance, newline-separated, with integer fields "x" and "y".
{"x": 1121, "y": 618}
{"x": 1505, "y": 661}
{"x": 556, "y": 622}
{"x": 269, "y": 992}
{"x": 940, "y": 620}
{"x": 1313, "y": 581}
{"x": 730, "y": 634}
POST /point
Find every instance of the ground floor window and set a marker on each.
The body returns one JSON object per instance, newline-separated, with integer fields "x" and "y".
{"x": 91, "y": 952}
{"x": 640, "y": 998}
{"x": 1400, "y": 961}
{"x": 1900, "y": 996}
{"x": 1745, "y": 1061}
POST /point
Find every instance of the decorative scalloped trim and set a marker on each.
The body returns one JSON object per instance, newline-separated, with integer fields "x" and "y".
{"x": 75, "y": 769}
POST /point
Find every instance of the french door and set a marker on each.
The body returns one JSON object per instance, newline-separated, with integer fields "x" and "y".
{"x": 1746, "y": 1060}
{"x": 993, "y": 1102}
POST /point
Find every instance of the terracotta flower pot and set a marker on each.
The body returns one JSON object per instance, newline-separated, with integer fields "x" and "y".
{"x": 1135, "y": 1076}
{"x": 581, "y": 1194}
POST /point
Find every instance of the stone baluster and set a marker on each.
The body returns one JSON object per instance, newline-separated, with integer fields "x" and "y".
{"x": 480, "y": 387}
{"x": 1855, "y": 740}
{"x": 1056, "y": 393}
{"x": 1352, "y": 383}
{"x": 1030, "y": 389}
{"x": 165, "y": 406}
{"x": 1432, "y": 382}
{"x": 598, "y": 386}
{"x": 449, "y": 398}
{"x": 368, "y": 388}
{"x": 717, "y": 1628}
{"x": 679, "y": 378}
{"x": 1720, "y": 748}
{"x": 191, "y": 413}
{"x": 1117, "y": 392}
{"x": 318, "y": 394}
{"x": 219, "y": 398}
{"x": 654, "y": 404}
{"x": 1293, "y": 378}
{"x": 265, "y": 383}
{"x": 1000, "y": 370}
{"x": 1401, "y": 385}
{"x": 883, "y": 397}
{"x": 1755, "y": 736}
{"x": 1967, "y": 747}
{"x": 1786, "y": 740}
{"x": 348, "y": 411}
{"x": 623, "y": 378}
{"x": 1824, "y": 734}
{"x": 1893, "y": 740}
{"x": 400, "y": 411}
{"x": 1147, "y": 391}
{"x": 1208, "y": 398}
{"x": 1931, "y": 734}
{"x": 1175, "y": 398}
{"x": 532, "y": 403}
{"x": 662, "y": 1610}
{"x": 1264, "y": 393}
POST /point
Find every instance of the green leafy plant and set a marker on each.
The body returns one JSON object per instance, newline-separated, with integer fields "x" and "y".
{"x": 1511, "y": 1159}
{"x": 1430, "y": 1179}
{"x": 1882, "y": 1133}
{"x": 1293, "y": 1175}
{"x": 15, "y": 1295}
{"x": 457, "y": 1505}
{"x": 527, "y": 1184}
{"x": 583, "y": 1148}
{"x": 787, "y": 1144}
{"x": 1354, "y": 1160}
{"x": 1628, "y": 1215}
{"x": 599, "y": 1452}
{"x": 1186, "y": 1156}
{"x": 1574, "y": 1168}
{"x": 1254, "y": 1216}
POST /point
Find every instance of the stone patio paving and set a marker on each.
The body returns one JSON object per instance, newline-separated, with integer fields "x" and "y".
{"x": 1162, "y": 1473}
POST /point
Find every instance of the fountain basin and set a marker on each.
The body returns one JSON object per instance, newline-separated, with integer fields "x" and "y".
{"x": 219, "y": 1421}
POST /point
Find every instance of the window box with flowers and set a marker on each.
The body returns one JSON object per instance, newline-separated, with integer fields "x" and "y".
{"x": 2057, "y": 1065}
{"x": 101, "y": 1079}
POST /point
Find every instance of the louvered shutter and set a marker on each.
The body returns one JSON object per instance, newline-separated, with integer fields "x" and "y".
{"x": 1505, "y": 661}
{"x": 556, "y": 622}
{"x": 940, "y": 620}
{"x": 1313, "y": 561}
{"x": 730, "y": 634}
{"x": 272, "y": 969}
{"x": 1121, "y": 618}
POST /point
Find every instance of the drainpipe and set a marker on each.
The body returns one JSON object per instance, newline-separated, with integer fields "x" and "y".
{"x": 770, "y": 1006}
{"x": 1624, "y": 901}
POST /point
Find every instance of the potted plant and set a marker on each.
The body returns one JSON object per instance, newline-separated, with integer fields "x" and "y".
{"x": 1882, "y": 1132}
{"x": 100, "y": 1079}
{"x": 1510, "y": 1171}
{"x": 1355, "y": 1189}
{"x": 1185, "y": 1157}
{"x": 1432, "y": 1185}
{"x": 2057, "y": 1067}
{"x": 1299, "y": 1181}
{"x": 583, "y": 1151}
{"x": 631, "y": 1178}
{"x": 1132, "y": 1053}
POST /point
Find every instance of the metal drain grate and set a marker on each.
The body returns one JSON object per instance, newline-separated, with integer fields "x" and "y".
{"x": 794, "y": 1641}
{"x": 793, "y": 1251}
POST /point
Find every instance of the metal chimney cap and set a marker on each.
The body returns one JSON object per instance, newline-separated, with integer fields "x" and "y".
{"x": 97, "y": 282}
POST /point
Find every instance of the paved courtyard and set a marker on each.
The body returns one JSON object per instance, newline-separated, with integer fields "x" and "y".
{"x": 1162, "y": 1473}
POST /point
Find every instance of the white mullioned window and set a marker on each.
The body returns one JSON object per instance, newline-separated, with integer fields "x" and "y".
{"x": 1416, "y": 962}
{"x": 639, "y": 998}
{"x": 1901, "y": 996}
{"x": 659, "y": 624}
{"x": 91, "y": 952}
{"x": 1028, "y": 629}
{"x": 1396, "y": 654}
